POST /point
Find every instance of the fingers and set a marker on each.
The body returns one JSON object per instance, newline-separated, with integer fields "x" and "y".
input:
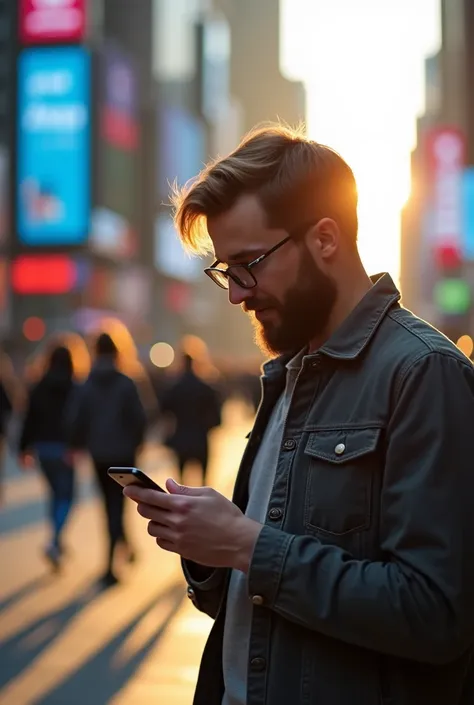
{"x": 153, "y": 513}
{"x": 152, "y": 497}
{"x": 158, "y": 531}
{"x": 176, "y": 489}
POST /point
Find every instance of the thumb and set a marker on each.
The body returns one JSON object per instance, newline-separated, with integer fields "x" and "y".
{"x": 174, "y": 488}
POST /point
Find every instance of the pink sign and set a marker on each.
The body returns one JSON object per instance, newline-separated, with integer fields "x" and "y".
{"x": 44, "y": 21}
{"x": 446, "y": 160}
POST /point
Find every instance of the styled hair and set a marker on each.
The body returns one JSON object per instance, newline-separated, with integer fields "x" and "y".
{"x": 297, "y": 181}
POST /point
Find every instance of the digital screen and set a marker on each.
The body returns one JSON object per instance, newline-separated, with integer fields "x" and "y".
{"x": 43, "y": 21}
{"x": 170, "y": 258}
{"x": 468, "y": 201}
{"x": 53, "y": 181}
{"x": 181, "y": 149}
{"x": 114, "y": 230}
{"x": 44, "y": 274}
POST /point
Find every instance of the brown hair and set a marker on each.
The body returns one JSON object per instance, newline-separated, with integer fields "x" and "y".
{"x": 297, "y": 181}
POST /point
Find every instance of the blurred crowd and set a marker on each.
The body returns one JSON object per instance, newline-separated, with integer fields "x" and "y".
{"x": 94, "y": 397}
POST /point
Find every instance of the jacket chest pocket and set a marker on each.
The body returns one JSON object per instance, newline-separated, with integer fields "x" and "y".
{"x": 340, "y": 471}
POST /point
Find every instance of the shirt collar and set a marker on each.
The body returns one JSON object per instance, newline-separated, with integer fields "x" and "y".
{"x": 356, "y": 332}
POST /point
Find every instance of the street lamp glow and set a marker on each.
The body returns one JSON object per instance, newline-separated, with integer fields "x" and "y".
{"x": 162, "y": 355}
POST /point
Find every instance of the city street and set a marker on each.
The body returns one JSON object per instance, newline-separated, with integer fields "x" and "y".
{"x": 63, "y": 641}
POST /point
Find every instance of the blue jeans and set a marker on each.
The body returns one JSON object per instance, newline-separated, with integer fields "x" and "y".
{"x": 59, "y": 475}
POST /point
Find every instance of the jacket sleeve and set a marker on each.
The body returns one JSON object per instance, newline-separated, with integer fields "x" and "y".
{"x": 135, "y": 412}
{"x": 76, "y": 418}
{"x": 418, "y": 604}
{"x": 206, "y": 586}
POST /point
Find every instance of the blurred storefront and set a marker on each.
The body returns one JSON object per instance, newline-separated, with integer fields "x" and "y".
{"x": 81, "y": 214}
{"x": 115, "y": 100}
{"x": 8, "y": 10}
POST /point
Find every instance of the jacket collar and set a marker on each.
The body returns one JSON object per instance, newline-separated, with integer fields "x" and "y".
{"x": 356, "y": 332}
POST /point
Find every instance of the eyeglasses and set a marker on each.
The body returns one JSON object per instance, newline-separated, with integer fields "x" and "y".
{"x": 242, "y": 274}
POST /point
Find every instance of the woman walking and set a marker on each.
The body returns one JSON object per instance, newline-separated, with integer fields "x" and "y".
{"x": 44, "y": 435}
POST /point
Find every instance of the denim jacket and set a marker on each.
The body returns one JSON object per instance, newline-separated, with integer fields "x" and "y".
{"x": 362, "y": 578}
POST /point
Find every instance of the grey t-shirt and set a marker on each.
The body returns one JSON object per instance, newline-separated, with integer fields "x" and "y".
{"x": 238, "y": 620}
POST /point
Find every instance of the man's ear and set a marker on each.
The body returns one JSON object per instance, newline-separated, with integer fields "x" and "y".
{"x": 323, "y": 239}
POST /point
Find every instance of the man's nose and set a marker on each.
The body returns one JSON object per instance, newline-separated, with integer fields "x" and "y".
{"x": 237, "y": 294}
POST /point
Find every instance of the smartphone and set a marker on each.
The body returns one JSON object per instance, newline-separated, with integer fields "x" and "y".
{"x": 133, "y": 476}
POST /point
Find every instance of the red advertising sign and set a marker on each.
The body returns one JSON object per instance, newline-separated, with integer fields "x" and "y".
{"x": 44, "y": 21}
{"x": 446, "y": 159}
{"x": 43, "y": 274}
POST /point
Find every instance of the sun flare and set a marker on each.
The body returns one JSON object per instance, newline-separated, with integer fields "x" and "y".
{"x": 362, "y": 63}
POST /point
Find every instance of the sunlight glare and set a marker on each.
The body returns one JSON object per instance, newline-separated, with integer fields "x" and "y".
{"x": 363, "y": 66}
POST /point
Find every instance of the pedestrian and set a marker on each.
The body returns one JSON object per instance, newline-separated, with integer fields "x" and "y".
{"x": 6, "y": 408}
{"x": 43, "y": 435}
{"x": 343, "y": 570}
{"x": 108, "y": 421}
{"x": 193, "y": 409}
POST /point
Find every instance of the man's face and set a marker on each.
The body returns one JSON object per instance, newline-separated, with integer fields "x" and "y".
{"x": 293, "y": 299}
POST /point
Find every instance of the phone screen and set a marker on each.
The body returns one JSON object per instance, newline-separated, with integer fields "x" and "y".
{"x": 133, "y": 476}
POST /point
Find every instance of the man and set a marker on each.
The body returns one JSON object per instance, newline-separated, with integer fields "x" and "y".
{"x": 194, "y": 409}
{"x": 343, "y": 571}
{"x": 108, "y": 420}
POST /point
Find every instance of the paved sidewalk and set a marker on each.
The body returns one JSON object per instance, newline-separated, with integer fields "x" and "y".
{"x": 62, "y": 640}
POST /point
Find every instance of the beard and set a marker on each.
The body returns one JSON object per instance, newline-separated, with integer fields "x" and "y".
{"x": 302, "y": 316}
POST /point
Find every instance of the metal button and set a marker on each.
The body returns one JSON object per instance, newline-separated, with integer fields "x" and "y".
{"x": 316, "y": 363}
{"x": 289, "y": 444}
{"x": 258, "y": 664}
{"x": 339, "y": 449}
{"x": 275, "y": 514}
{"x": 257, "y": 600}
{"x": 190, "y": 593}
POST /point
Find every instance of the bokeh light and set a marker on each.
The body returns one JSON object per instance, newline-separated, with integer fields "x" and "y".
{"x": 34, "y": 329}
{"x": 466, "y": 345}
{"x": 162, "y": 355}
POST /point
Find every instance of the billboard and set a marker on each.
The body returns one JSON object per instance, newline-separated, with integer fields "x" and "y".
{"x": 170, "y": 258}
{"x": 114, "y": 222}
{"x": 53, "y": 179}
{"x": 215, "y": 50}
{"x": 46, "y": 21}
{"x": 118, "y": 111}
{"x": 181, "y": 148}
{"x": 446, "y": 160}
{"x": 468, "y": 213}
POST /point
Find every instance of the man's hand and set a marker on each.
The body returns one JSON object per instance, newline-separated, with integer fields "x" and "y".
{"x": 199, "y": 524}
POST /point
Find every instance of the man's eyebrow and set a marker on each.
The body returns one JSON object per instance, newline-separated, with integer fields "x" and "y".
{"x": 244, "y": 254}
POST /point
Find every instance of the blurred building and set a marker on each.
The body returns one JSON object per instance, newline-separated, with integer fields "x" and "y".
{"x": 114, "y": 100}
{"x": 82, "y": 201}
{"x": 217, "y": 66}
{"x": 256, "y": 79}
{"x": 437, "y": 244}
{"x": 8, "y": 11}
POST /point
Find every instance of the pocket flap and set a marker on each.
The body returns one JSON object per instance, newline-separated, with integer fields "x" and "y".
{"x": 340, "y": 446}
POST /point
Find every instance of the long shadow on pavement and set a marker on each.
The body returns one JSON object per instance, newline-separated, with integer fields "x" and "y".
{"x": 99, "y": 679}
{"x": 24, "y": 591}
{"x": 17, "y": 652}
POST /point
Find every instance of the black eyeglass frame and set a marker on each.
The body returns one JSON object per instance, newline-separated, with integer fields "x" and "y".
{"x": 297, "y": 232}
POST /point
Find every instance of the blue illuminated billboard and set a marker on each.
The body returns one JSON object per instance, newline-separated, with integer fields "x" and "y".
{"x": 53, "y": 179}
{"x": 468, "y": 213}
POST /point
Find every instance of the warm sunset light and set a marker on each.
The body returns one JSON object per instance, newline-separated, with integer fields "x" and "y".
{"x": 362, "y": 63}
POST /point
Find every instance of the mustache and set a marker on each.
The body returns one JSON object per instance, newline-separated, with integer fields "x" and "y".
{"x": 254, "y": 305}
